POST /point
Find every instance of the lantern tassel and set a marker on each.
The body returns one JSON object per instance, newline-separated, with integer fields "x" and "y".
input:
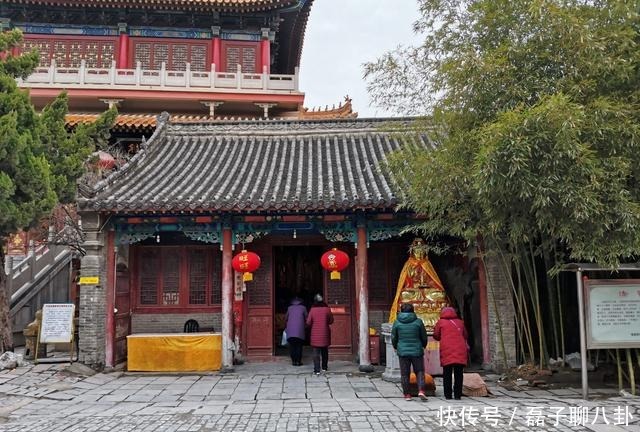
{"x": 247, "y": 277}
{"x": 335, "y": 275}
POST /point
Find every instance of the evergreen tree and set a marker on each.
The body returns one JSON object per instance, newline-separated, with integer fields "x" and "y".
{"x": 39, "y": 160}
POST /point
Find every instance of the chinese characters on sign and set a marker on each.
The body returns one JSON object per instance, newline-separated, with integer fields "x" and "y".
{"x": 468, "y": 416}
{"x": 613, "y": 313}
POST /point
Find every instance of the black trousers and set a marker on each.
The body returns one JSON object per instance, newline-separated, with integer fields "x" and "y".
{"x": 405, "y": 371}
{"x": 456, "y": 369}
{"x": 295, "y": 349}
{"x": 318, "y": 354}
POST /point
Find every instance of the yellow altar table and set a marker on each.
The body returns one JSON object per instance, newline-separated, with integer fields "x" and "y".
{"x": 174, "y": 352}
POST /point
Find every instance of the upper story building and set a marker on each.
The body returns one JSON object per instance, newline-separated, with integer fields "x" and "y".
{"x": 193, "y": 58}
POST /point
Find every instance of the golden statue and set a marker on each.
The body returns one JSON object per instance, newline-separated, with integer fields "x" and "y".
{"x": 419, "y": 285}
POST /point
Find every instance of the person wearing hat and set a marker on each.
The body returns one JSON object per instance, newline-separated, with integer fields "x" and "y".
{"x": 454, "y": 350}
{"x": 319, "y": 320}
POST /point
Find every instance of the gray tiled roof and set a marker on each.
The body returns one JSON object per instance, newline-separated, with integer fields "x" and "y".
{"x": 270, "y": 165}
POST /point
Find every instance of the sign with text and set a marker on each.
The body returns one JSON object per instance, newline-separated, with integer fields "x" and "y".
{"x": 89, "y": 280}
{"x": 57, "y": 323}
{"x": 613, "y": 313}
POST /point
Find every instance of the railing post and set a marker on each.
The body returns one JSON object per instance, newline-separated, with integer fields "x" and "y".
{"x": 138, "y": 73}
{"x": 295, "y": 79}
{"x": 31, "y": 258}
{"x": 213, "y": 75}
{"x": 239, "y": 77}
{"x": 83, "y": 65}
{"x": 163, "y": 72}
{"x": 265, "y": 77}
{"x": 52, "y": 71}
{"x": 112, "y": 73}
{"x": 188, "y": 75}
{"x": 9, "y": 270}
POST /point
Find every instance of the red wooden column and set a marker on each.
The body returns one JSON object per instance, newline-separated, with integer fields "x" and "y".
{"x": 265, "y": 49}
{"x": 110, "y": 286}
{"x": 227, "y": 297}
{"x": 216, "y": 57}
{"x": 484, "y": 307}
{"x": 123, "y": 47}
{"x": 362, "y": 291}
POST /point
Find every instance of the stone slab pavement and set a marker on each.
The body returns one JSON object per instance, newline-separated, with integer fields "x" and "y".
{"x": 279, "y": 397}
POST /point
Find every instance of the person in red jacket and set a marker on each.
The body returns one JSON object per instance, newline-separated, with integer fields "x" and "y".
{"x": 451, "y": 333}
{"x": 319, "y": 319}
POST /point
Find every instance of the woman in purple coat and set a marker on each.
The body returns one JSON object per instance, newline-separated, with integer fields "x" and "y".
{"x": 296, "y": 318}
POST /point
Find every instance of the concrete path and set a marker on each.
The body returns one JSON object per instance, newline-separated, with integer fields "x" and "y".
{"x": 280, "y": 397}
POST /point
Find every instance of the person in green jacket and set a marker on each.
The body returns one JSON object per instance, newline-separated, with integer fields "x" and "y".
{"x": 409, "y": 338}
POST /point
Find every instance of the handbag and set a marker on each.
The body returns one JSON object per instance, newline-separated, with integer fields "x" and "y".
{"x": 461, "y": 334}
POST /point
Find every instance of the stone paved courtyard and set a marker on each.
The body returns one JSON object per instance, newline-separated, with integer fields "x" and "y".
{"x": 279, "y": 397}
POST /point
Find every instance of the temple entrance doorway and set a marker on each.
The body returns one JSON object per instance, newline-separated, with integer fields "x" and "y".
{"x": 297, "y": 273}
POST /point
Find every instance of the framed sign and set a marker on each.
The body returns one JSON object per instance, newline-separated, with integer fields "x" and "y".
{"x": 57, "y": 323}
{"x": 612, "y": 313}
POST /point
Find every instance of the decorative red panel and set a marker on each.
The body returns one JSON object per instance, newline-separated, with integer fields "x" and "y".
{"x": 245, "y": 54}
{"x": 175, "y": 54}
{"x": 69, "y": 52}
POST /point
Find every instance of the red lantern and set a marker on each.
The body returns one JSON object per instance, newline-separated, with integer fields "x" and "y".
{"x": 246, "y": 263}
{"x": 335, "y": 261}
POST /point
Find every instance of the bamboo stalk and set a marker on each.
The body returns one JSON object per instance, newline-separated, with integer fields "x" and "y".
{"x": 495, "y": 308}
{"x": 550, "y": 297}
{"x": 560, "y": 313}
{"x": 518, "y": 303}
{"x": 619, "y": 365}
{"x": 522, "y": 309}
{"x": 632, "y": 377}
{"x": 538, "y": 311}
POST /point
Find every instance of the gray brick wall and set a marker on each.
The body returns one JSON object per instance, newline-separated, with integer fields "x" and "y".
{"x": 501, "y": 315}
{"x": 92, "y": 318}
{"x": 173, "y": 323}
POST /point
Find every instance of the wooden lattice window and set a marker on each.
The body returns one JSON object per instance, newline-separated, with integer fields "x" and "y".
{"x": 246, "y": 54}
{"x": 149, "y": 264}
{"x": 339, "y": 291}
{"x": 178, "y": 276}
{"x": 259, "y": 291}
{"x": 71, "y": 52}
{"x": 175, "y": 55}
{"x": 197, "y": 276}
{"x": 170, "y": 277}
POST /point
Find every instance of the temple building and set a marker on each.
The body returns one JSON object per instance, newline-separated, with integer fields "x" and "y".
{"x": 225, "y": 157}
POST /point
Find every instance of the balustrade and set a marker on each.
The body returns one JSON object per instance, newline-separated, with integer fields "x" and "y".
{"x": 55, "y": 76}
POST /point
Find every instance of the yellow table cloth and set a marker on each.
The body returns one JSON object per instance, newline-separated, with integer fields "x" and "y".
{"x": 179, "y": 352}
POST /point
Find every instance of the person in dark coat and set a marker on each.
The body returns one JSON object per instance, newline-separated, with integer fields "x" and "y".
{"x": 451, "y": 333}
{"x": 296, "y": 318}
{"x": 319, "y": 320}
{"x": 409, "y": 338}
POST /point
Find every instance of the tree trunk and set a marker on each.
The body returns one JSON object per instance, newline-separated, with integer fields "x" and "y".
{"x": 6, "y": 332}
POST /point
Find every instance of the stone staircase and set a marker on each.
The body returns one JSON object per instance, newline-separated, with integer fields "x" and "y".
{"x": 43, "y": 276}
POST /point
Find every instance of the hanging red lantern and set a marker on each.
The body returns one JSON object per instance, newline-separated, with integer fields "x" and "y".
{"x": 335, "y": 261}
{"x": 246, "y": 263}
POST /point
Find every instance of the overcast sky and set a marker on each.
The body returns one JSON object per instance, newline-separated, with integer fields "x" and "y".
{"x": 341, "y": 35}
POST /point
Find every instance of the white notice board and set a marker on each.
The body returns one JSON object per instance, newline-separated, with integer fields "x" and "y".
{"x": 613, "y": 313}
{"x": 57, "y": 323}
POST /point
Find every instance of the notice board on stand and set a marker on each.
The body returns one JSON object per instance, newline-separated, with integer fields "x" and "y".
{"x": 57, "y": 326}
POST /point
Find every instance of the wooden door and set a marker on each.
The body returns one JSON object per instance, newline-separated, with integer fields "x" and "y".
{"x": 338, "y": 296}
{"x": 259, "y": 306}
{"x": 122, "y": 316}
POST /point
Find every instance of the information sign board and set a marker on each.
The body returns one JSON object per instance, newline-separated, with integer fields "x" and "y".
{"x": 57, "y": 323}
{"x": 613, "y": 313}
